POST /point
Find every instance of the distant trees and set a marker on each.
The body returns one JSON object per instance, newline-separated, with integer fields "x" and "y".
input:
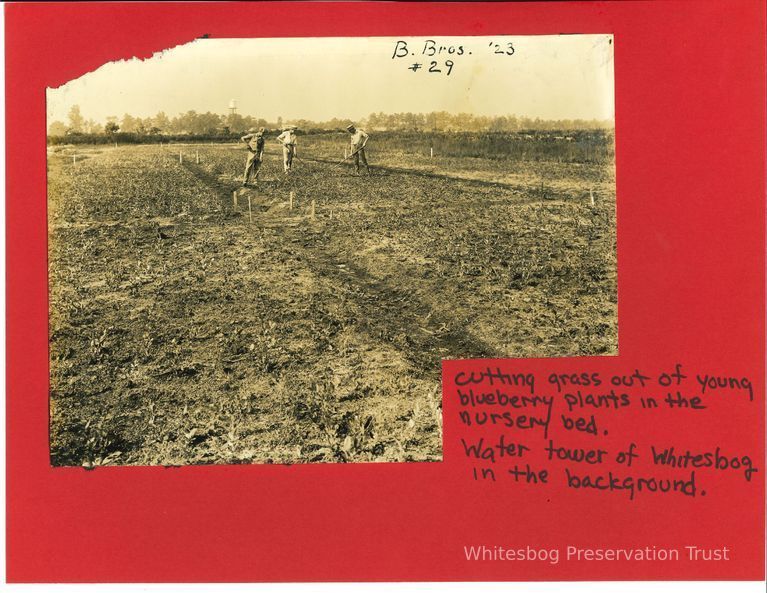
{"x": 161, "y": 122}
{"x": 91, "y": 127}
{"x": 76, "y": 120}
{"x": 57, "y": 128}
{"x": 213, "y": 124}
{"x": 235, "y": 122}
{"x": 128, "y": 123}
{"x": 207, "y": 124}
{"x": 76, "y": 124}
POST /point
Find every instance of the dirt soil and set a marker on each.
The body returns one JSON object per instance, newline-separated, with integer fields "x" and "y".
{"x": 185, "y": 329}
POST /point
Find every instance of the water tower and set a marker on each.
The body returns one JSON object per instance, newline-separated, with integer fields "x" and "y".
{"x": 232, "y": 107}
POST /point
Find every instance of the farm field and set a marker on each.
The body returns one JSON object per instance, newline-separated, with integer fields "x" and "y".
{"x": 547, "y": 164}
{"x": 182, "y": 331}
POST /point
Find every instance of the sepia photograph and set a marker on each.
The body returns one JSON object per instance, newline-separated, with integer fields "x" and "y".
{"x": 261, "y": 250}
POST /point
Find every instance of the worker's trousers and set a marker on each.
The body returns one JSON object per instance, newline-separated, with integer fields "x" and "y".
{"x": 252, "y": 165}
{"x": 360, "y": 156}
{"x": 288, "y": 151}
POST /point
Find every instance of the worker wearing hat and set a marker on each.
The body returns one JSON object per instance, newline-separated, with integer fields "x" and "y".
{"x": 254, "y": 140}
{"x": 358, "y": 141}
{"x": 288, "y": 141}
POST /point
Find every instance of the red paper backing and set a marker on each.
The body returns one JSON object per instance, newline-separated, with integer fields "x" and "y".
{"x": 690, "y": 127}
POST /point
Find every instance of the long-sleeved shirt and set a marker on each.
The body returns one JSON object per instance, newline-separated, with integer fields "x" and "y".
{"x": 255, "y": 142}
{"x": 287, "y": 137}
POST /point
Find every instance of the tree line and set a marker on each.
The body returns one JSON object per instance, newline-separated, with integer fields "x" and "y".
{"x": 213, "y": 124}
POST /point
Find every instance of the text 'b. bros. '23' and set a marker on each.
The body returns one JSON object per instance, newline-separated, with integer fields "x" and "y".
{"x": 431, "y": 48}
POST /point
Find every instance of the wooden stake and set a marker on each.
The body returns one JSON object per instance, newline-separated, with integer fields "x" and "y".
{"x": 74, "y": 159}
{"x": 431, "y": 153}
{"x": 291, "y": 199}
{"x": 591, "y": 195}
{"x": 250, "y": 211}
{"x": 234, "y": 199}
{"x": 344, "y": 153}
{"x": 180, "y": 157}
{"x": 312, "y": 209}
{"x": 197, "y": 156}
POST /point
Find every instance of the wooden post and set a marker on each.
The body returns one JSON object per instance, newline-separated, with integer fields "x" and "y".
{"x": 250, "y": 211}
{"x": 431, "y": 153}
{"x": 344, "y": 153}
{"x": 74, "y": 159}
{"x": 312, "y": 209}
{"x": 591, "y": 195}
{"x": 180, "y": 157}
{"x": 331, "y": 214}
{"x": 234, "y": 199}
{"x": 197, "y": 156}
{"x": 292, "y": 194}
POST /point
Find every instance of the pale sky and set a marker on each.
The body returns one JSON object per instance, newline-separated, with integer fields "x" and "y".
{"x": 548, "y": 76}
